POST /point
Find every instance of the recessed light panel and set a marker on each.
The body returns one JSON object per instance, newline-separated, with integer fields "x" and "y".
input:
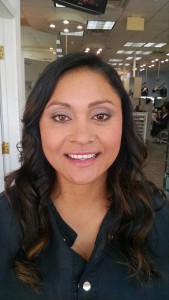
{"x": 160, "y": 45}
{"x": 58, "y": 42}
{"x": 100, "y": 25}
{"x": 132, "y": 44}
{"x": 129, "y": 58}
{"x": 79, "y": 33}
{"x": 115, "y": 60}
{"x": 157, "y": 45}
{"x": 144, "y": 52}
{"x": 124, "y": 52}
{"x": 149, "y": 45}
{"x": 59, "y": 50}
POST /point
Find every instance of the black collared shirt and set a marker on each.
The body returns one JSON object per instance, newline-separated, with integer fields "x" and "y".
{"x": 67, "y": 276}
{"x": 69, "y": 236}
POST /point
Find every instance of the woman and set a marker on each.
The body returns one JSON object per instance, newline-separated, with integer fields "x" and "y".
{"x": 81, "y": 220}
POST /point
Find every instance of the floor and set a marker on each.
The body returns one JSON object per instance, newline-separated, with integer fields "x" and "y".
{"x": 155, "y": 163}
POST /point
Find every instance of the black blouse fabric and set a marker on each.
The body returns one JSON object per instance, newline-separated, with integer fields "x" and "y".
{"x": 67, "y": 276}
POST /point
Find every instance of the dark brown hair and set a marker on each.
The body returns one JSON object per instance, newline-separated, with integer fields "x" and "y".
{"x": 129, "y": 191}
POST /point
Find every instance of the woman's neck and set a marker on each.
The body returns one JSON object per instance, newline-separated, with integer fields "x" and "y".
{"x": 81, "y": 197}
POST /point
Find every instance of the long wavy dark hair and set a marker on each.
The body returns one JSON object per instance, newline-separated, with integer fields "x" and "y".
{"x": 132, "y": 210}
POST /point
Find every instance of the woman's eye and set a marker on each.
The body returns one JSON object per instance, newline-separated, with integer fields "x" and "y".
{"x": 61, "y": 118}
{"x": 101, "y": 117}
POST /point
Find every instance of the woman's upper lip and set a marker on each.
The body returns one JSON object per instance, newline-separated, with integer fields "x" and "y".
{"x": 82, "y": 153}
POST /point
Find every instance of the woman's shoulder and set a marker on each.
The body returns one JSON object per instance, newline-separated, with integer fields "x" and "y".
{"x": 160, "y": 231}
{"x": 160, "y": 203}
{"x": 6, "y": 212}
{"x": 9, "y": 225}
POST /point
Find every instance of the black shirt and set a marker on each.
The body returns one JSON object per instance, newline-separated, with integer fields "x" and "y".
{"x": 69, "y": 236}
{"x": 67, "y": 276}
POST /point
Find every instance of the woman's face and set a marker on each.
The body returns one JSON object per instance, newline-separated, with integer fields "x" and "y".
{"x": 81, "y": 127}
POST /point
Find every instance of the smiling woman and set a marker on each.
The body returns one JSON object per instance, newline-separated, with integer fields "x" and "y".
{"x": 77, "y": 127}
{"x": 79, "y": 220}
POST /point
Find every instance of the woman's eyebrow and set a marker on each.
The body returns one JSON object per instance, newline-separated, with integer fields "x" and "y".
{"x": 53, "y": 103}
{"x": 94, "y": 103}
{"x": 100, "y": 102}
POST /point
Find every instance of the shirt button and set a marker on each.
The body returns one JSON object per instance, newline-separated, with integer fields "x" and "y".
{"x": 86, "y": 286}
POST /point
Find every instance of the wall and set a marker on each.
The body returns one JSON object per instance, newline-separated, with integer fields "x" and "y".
{"x": 33, "y": 68}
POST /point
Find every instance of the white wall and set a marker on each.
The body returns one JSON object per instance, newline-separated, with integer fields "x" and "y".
{"x": 10, "y": 81}
{"x": 33, "y": 69}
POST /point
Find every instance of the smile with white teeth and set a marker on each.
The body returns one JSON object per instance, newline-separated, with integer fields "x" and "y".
{"x": 81, "y": 156}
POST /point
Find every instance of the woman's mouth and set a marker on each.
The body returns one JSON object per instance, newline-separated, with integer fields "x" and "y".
{"x": 82, "y": 156}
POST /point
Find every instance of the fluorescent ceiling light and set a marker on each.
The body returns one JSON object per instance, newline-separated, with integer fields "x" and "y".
{"x": 125, "y": 52}
{"x": 100, "y": 25}
{"x": 80, "y": 33}
{"x": 160, "y": 45}
{"x": 145, "y": 52}
{"x": 131, "y": 57}
{"x": 157, "y": 45}
{"x": 149, "y": 45}
{"x": 115, "y": 60}
{"x": 59, "y": 50}
{"x": 129, "y": 52}
{"x": 133, "y": 44}
{"x": 120, "y": 52}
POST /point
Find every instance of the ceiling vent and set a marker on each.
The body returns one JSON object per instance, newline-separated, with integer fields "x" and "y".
{"x": 97, "y": 32}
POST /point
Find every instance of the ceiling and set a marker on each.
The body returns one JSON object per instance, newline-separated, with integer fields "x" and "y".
{"x": 38, "y": 37}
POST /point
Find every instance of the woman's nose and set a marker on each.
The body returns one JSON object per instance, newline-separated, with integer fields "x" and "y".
{"x": 82, "y": 133}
